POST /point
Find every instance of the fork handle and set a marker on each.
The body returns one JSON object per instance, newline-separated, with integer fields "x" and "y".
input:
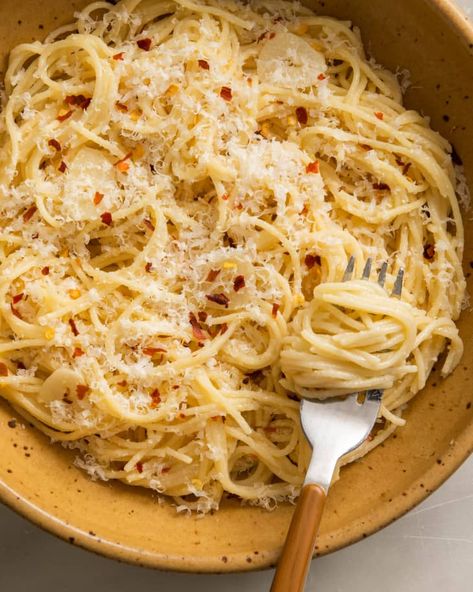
{"x": 293, "y": 565}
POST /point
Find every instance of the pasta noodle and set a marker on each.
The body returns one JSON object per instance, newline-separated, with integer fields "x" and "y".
{"x": 182, "y": 185}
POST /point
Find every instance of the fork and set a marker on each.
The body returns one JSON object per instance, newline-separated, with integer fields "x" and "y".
{"x": 333, "y": 427}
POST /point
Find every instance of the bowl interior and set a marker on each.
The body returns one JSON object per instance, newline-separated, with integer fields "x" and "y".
{"x": 433, "y": 41}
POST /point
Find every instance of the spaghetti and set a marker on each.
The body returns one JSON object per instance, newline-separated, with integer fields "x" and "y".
{"x": 182, "y": 184}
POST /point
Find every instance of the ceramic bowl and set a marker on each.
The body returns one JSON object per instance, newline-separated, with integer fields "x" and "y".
{"x": 435, "y": 43}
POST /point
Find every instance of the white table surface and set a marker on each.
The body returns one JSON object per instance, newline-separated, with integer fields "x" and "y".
{"x": 428, "y": 550}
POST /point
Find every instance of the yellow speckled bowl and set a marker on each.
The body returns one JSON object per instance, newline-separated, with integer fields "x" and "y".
{"x": 435, "y": 43}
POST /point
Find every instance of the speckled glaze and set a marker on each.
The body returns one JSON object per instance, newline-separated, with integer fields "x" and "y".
{"x": 433, "y": 40}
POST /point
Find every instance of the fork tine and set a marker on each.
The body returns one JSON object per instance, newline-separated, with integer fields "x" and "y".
{"x": 397, "y": 289}
{"x": 349, "y": 269}
{"x": 374, "y": 395}
{"x": 367, "y": 269}
{"x": 382, "y": 274}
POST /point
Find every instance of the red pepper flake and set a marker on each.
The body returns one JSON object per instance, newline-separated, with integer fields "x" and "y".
{"x": 73, "y": 99}
{"x": 274, "y": 311}
{"x": 152, "y": 351}
{"x": 196, "y": 328}
{"x": 311, "y": 260}
{"x": 381, "y": 186}
{"x": 62, "y": 118}
{"x": 122, "y": 383}
{"x": 301, "y": 114}
{"x": 203, "y": 316}
{"x": 266, "y": 35}
{"x": 78, "y": 101}
{"x": 17, "y": 298}
{"x": 226, "y": 93}
{"x": 225, "y": 197}
{"x": 121, "y": 107}
{"x": 98, "y": 198}
{"x": 312, "y": 167}
{"x": 228, "y": 240}
{"x": 122, "y": 165}
{"x": 366, "y": 147}
{"x": 139, "y": 467}
{"x": 165, "y": 469}
{"x": 3, "y": 369}
{"x": 144, "y": 44}
{"x": 118, "y": 57}
{"x": 218, "y": 299}
{"x": 55, "y": 144}
{"x": 212, "y": 275}
{"x": 148, "y": 267}
{"x": 73, "y": 327}
{"x": 30, "y": 212}
{"x": 81, "y": 391}
{"x": 62, "y": 168}
{"x": 239, "y": 283}
{"x": 155, "y": 398}
{"x": 321, "y": 76}
{"x": 78, "y": 352}
{"x": 429, "y": 251}
{"x": 15, "y": 311}
{"x": 223, "y": 328}
{"x": 147, "y": 222}
{"x": 45, "y": 270}
{"x": 85, "y": 104}
{"x": 213, "y": 331}
{"x": 379, "y": 115}
{"x": 204, "y": 64}
{"x": 106, "y": 218}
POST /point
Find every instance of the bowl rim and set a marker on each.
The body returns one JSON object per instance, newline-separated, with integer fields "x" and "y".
{"x": 431, "y": 480}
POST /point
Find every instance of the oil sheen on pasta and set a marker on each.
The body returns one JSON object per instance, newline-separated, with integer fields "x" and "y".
{"x": 182, "y": 184}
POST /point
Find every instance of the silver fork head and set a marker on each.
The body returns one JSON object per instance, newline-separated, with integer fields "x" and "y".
{"x": 337, "y": 426}
{"x": 382, "y": 274}
{"x": 349, "y": 269}
{"x": 397, "y": 287}
{"x": 334, "y": 427}
{"x": 367, "y": 270}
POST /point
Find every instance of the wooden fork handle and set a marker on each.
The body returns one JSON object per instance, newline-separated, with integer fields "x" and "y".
{"x": 293, "y": 565}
